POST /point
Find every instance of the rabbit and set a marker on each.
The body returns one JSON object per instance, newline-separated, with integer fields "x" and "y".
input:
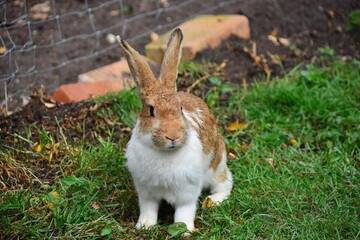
{"x": 175, "y": 149}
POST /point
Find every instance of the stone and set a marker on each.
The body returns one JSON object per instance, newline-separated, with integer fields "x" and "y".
{"x": 76, "y": 92}
{"x": 202, "y": 32}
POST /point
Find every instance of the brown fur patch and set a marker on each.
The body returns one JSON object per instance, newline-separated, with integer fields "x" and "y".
{"x": 208, "y": 131}
{"x": 222, "y": 176}
{"x": 219, "y": 149}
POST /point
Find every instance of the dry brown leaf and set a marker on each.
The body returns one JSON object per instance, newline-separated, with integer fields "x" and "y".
{"x": 339, "y": 29}
{"x": 40, "y": 11}
{"x": 293, "y": 141}
{"x": 54, "y": 194}
{"x": 271, "y": 162}
{"x": 49, "y": 105}
{"x": 50, "y": 205}
{"x": 109, "y": 122}
{"x": 258, "y": 60}
{"x": 284, "y": 41}
{"x": 231, "y": 155}
{"x": 154, "y": 37}
{"x": 164, "y": 3}
{"x": 273, "y": 39}
{"x": 330, "y": 13}
{"x": 95, "y": 205}
{"x": 18, "y": 3}
{"x": 223, "y": 64}
{"x": 37, "y": 147}
{"x": 275, "y": 59}
{"x": 2, "y": 50}
{"x": 114, "y": 13}
{"x": 235, "y": 126}
{"x": 54, "y": 150}
{"x": 94, "y": 107}
{"x": 208, "y": 203}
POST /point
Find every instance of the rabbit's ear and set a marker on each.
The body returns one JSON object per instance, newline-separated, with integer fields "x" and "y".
{"x": 139, "y": 67}
{"x": 169, "y": 67}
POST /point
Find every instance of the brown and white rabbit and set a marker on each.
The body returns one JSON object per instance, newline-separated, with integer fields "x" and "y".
{"x": 176, "y": 149}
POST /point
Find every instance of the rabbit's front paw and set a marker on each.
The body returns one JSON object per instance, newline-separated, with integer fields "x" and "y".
{"x": 145, "y": 223}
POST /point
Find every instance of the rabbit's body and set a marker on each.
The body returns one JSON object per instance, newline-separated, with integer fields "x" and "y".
{"x": 175, "y": 149}
{"x": 176, "y": 177}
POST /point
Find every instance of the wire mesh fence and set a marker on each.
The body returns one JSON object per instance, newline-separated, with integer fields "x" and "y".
{"x": 50, "y": 42}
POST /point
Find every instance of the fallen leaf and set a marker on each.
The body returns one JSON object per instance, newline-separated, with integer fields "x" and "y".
{"x": 54, "y": 149}
{"x": 271, "y": 162}
{"x": 275, "y": 59}
{"x": 284, "y": 41}
{"x": 40, "y": 11}
{"x": 330, "y": 13}
{"x": 114, "y": 13}
{"x": 95, "y": 205}
{"x": 273, "y": 39}
{"x": 53, "y": 199}
{"x": 37, "y": 147}
{"x": 296, "y": 51}
{"x": 50, "y": 205}
{"x": 235, "y": 126}
{"x": 154, "y": 37}
{"x": 164, "y": 3}
{"x": 49, "y": 105}
{"x": 223, "y": 64}
{"x": 2, "y": 50}
{"x": 55, "y": 195}
{"x": 258, "y": 60}
{"x": 18, "y": 3}
{"x": 293, "y": 141}
{"x": 339, "y": 29}
{"x": 231, "y": 155}
{"x": 208, "y": 203}
{"x": 94, "y": 107}
{"x": 109, "y": 122}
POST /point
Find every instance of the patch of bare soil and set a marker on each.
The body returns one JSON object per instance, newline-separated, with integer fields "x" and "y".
{"x": 285, "y": 33}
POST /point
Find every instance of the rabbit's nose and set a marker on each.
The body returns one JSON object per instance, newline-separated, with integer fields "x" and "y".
{"x": 172, "y": 139}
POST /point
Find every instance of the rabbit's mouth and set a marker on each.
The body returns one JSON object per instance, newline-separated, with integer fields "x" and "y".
{"x": 168, "y": 144}
{"x": 171, "y": 145}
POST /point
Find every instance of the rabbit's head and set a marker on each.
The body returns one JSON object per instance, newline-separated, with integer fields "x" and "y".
{"x": 161, "y": 118}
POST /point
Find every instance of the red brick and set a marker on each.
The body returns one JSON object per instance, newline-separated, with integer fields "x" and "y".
{"x": 117, "y": 71}
{"x": 80, "y": 91}
{"x": 206, "y": 31}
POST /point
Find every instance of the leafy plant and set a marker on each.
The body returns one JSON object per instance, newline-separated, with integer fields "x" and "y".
{"x": 353, "y": 21}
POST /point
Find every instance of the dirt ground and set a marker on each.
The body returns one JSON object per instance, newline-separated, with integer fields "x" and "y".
{"x": 305, "y": 25}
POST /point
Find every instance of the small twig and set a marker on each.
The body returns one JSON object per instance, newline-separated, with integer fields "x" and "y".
{"x": 22, "y": 138}
{"x": 61, "y": 131}
{"x": 197, "y": 82}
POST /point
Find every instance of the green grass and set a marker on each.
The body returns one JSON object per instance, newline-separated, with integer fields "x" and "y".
{"x": 296, "y": 170}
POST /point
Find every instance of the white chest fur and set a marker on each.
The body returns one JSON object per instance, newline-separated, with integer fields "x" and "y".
{"x": 176, "y": 176}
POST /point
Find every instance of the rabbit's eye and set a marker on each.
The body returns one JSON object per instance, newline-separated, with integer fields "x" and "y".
{"x": 151, "y": 111}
